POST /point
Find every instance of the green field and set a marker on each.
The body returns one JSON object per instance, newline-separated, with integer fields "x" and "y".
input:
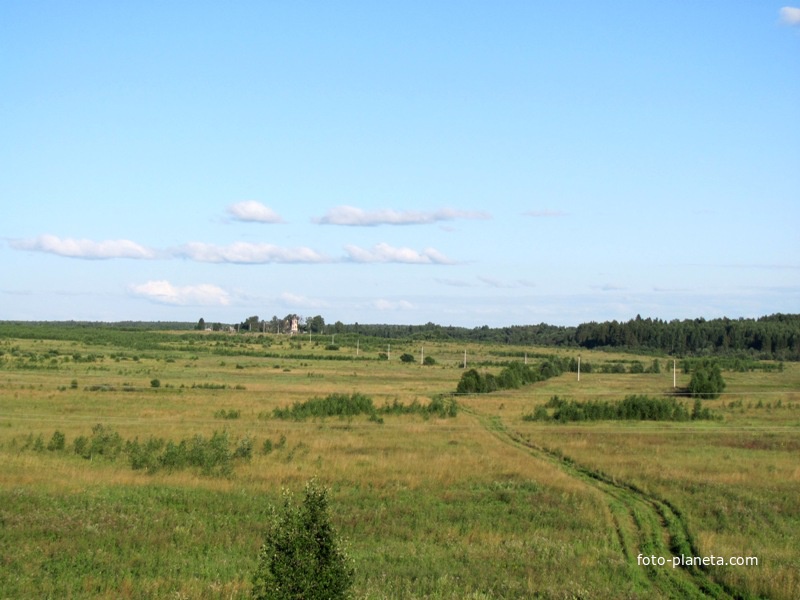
{"x": 483, "y": 504}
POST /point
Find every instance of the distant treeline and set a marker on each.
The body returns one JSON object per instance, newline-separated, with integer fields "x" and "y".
{"x": 771, "y": 337}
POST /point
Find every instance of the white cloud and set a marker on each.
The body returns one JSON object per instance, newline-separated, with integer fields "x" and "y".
{"x": 248, "y": 253}
{"x": 166, "y": 293}
{"x": 790, "y": 15}
{"x": 253, "y": 211}
{"x": 86, "y": 249}
{"x": 384, "y": 253}
{"x": 350, "y": 215}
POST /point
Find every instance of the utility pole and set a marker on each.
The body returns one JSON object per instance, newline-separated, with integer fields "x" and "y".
{"x": 579, "y": 367}
{"x": 465, "y": 358}
{"x": 422, "y": 356}
{"x": 674, "y": 375}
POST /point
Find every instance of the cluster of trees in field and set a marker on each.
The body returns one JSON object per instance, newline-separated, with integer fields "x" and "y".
{"x": 212, "y": 456}
{"x": 632, "y": 408}
{"x": 344, "y": 405}
{"x": 513, "y": 376}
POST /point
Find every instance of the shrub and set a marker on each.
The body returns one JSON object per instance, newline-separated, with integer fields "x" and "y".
{"x": 227, "y": 414}
{"x": 706, "y": 381}
{"x": 154, "y": 383}
{"x": 38, "y": 443}
{"x": 301, "y": 556}
{"x": 79, "y": 446}
{"x": 407, "y": 358}
{"x": 540, "y": 414}
{"x": 57, "y": 442}
{"x": 245, "y": 448}
{"x": 471, "y": 382}
{"x": 428, "y": 361}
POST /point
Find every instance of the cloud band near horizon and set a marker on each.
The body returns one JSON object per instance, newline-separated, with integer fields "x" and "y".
{"x": 242, "y": 253}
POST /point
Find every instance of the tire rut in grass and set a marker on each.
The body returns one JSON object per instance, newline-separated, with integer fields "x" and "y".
{"x": 644, "y": 523}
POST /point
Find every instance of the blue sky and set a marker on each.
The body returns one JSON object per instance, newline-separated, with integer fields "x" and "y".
{"x": 465, "y": 163}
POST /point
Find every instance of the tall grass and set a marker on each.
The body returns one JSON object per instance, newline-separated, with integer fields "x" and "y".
{"x": 431, "y": 507}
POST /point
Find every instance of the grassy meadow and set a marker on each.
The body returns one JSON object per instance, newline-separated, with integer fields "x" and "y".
{"x": 483, "y": 504}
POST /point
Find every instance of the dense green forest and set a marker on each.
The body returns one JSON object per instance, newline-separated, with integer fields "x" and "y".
{"x": 771, "y": 337}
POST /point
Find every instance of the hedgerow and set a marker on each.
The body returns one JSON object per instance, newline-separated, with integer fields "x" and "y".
{"x": 342, "y": 405}
{"x": 631, "y": 408}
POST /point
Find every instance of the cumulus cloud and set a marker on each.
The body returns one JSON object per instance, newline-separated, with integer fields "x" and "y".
{"x": 192, "y": 295}
{"x": 86, "y": 249}
{"x": 384, "y": 253}
{"x": 790, "y": 15}
{"x": 350, "y": 215}
{"x": 248, "y": 253}
{"x": 252, "y": 211}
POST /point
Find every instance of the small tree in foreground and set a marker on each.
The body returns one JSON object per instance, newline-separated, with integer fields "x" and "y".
{"x": 301, "y": 557}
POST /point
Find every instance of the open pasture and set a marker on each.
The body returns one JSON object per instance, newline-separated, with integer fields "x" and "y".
{"x": 485, "y": 504}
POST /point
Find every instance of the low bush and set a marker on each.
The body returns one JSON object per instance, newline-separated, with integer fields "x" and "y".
{"x": 333, "y": 405}
{"x": 57, "y": 442}
{"x": 227, "y": 414}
